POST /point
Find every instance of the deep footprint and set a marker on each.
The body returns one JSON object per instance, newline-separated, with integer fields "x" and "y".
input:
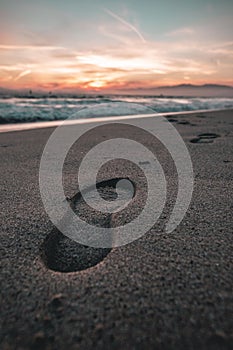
{"x": 199, "y": 140}
{"x": 185, "y": 122}
{"x": 208, "y": 136}
{"x": 62, "y": 254}
{"x": 205, "y": 138}
{"x": 172, "y": 120}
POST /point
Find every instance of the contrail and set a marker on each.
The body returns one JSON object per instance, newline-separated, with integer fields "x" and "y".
{"x": 134, "y": 29}
{"x": 22, "y": 74}
{"x": 30, "y": 47}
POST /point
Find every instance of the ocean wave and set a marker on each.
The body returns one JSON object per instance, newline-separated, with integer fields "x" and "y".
{"x": 19, "y": 110}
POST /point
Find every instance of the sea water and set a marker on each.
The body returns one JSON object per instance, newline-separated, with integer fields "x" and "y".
{"x": 25, "y": 109}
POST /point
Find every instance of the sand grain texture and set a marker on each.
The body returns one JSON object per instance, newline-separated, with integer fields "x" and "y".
{"x": 160, "y": 292}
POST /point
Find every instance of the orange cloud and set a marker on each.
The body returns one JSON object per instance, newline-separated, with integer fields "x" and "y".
{"x": 127, "y": 63}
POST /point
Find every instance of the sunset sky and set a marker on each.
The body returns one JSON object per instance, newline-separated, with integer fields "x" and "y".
{"x": 115, "y": 45}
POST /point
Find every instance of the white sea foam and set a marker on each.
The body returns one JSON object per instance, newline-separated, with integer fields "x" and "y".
{"x": 17, "y": 110}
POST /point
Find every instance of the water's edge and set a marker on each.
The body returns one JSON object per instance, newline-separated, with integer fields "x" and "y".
{"x": 51, "y": 124}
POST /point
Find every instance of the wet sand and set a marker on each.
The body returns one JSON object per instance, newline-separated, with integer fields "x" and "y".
{"x": 163, "y": 291}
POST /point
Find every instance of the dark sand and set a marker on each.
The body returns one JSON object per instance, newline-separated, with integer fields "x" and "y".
{"x": 164, "y": 291}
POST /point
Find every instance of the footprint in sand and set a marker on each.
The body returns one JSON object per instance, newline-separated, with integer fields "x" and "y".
{"x": 172, "y": 120}
{"x": 205, "y": 138}
{"x": 181, "y": 122}
{"x": 5, "y": 145}
{"x": 185, "y": 122}
{"x": 62, "y": 254}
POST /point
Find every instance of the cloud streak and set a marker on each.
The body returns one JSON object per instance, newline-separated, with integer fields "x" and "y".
{"x": 127, "y": 24}
{"x": 23, "y": 74}
{"x": 30, "y": 47}
{"x": 181, "y": 32}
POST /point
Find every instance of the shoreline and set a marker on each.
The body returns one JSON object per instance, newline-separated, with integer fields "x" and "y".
{"x": 4, "y": 128}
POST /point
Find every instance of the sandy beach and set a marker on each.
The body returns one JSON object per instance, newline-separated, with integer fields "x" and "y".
{"x": 163, "y": 291}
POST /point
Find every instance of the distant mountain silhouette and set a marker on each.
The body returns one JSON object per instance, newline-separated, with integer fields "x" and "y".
{"x": 196, "y": 86}
{"x": 205, "y": 90}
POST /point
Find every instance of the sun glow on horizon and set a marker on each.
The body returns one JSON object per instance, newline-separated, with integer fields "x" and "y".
{"x": 97, "y": 84}
{"x": 117, "y": 56}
